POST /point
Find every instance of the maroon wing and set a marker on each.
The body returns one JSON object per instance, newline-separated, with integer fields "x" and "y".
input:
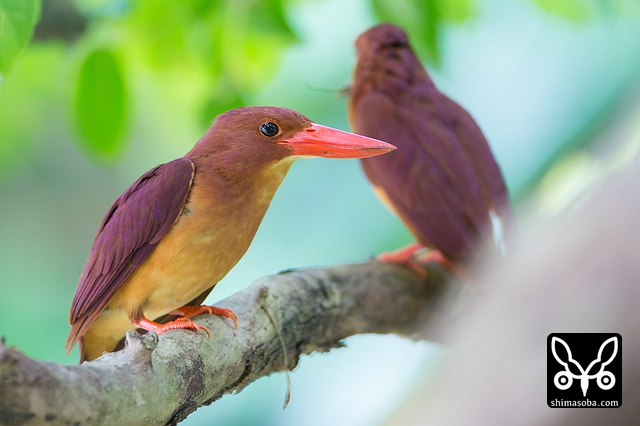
{"x": 494, "y": 189}
{"x": 129, "y": 232}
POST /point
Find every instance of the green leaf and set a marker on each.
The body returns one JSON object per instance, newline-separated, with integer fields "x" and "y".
{"x": 17, "y": 21}
{"x": 423, "y": 20}
{"x": 31, "y": 91}
{"x": 268, "y": 17}
{"x": 420, "y": 19}
{"x": 101, "y": 104}
{"x": 456, "y": 11}
{"x": 574, "y": 10}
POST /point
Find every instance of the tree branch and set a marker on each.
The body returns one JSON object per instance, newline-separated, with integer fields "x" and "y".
{"x": 161, "y": 382}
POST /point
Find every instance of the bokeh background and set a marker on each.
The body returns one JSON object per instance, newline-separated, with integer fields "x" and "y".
{"x": 107, "y": 89}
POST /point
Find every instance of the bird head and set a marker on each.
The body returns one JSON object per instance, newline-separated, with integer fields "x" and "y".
{"x": 251, "y": 136}
{"x": 381, "y": 38}
{"x": 387, "y": 63}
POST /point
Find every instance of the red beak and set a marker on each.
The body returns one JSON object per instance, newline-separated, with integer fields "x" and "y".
{"x": 322, "y": 141}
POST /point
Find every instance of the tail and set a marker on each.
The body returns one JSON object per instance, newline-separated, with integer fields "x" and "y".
{"x": 78, "y": 328}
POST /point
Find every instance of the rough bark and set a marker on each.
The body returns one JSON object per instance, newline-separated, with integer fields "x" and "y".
{"x": 161, "y": 381}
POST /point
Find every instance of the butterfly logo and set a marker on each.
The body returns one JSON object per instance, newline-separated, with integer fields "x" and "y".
{"x": 564, "y": 379}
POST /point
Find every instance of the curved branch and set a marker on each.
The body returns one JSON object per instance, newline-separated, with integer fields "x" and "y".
{"x": 162, "y": 381}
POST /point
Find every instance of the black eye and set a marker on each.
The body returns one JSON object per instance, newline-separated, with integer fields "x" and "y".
{"x": 269, "y": 129}
{"x": 397, "y": 44}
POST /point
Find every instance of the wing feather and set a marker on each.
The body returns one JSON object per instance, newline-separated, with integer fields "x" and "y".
{"x": 129, "y": 232}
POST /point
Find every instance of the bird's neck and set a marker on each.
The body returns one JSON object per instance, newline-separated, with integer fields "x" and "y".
{"x": 240, "y": 194}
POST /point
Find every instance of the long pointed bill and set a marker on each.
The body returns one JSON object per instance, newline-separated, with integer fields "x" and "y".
{"x": 322, "y": 141}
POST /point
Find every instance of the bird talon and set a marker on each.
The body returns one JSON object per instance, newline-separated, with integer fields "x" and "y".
{"x": 198, "y": 328}
{"x": 187, "y": 323}
{"x": 192, "y": 311}
{"x": 406, "y": 256}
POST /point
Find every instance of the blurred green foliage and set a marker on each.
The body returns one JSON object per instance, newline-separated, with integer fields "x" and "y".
{"x": 582, "y": 10}
{"x": 424, "y": 20}
{"x": 217, "y": 52}
{"x": 17, "y": 20}
{"x": 101, "y": 103}
{"x": 577, "y": 10}
{"x": 223, "y": 49}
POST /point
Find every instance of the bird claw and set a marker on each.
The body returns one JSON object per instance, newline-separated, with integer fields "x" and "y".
{"x": 177, "y": 324}
{"x": 406, "y": 256}
{"x": 192, "y": 311}
{"x": 413, "y": 257}
{"x": 187, "y": 323}
{"x": 401, "y": 255}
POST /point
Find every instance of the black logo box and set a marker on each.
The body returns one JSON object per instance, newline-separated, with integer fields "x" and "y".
{"x": 583, "y": 380}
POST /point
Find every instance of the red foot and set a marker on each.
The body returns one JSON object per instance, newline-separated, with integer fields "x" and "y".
{"x": 436, "y": 256}
{"x": 412, "y": 257}
{"x": 405, "y": 256}
{"x": 401, "y": 255}
{"x": 192, "y": 311}
{"x": 179, "y": 323}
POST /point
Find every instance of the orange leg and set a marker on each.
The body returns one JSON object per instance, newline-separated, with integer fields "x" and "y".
{"x": 192, "y": 311}
{"x": 405, "y": 256}
{"x": 401, "y": 255}
{"x": 412, "y": 257}
{"x": 179, "y": 323}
